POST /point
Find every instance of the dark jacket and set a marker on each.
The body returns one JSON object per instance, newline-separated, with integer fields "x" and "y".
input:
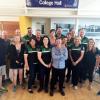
{"x": 2, "y": 52}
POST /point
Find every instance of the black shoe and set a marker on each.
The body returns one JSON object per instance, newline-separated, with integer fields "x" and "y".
{"x": 40, "y": 89}
{"x": 30, "y": 91}
{"x": 62, "y": 92}
{"x": 51, "y": 93}
{"x": 67, "y": 81}
{"x": 98, "y": 93}
{"x": 46, "y": 90}
{"x": 34, "y": 86}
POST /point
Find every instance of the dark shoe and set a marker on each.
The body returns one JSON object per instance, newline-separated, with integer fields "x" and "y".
{"x": 98, "y": 93}
{"x": 40, "y": 89}
{"x": 34, "y": 86}
{"x": 30, "y": 91}
{"x": 46, "y": 90}
{"x": 51, "y": 93}
{"x": 62, "y": 92}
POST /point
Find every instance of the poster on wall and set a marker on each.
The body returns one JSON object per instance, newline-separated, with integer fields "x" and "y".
{"x": 52, "y": 3}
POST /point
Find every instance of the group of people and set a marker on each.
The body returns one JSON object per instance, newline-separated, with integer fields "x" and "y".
{"x": 46, "y": 58}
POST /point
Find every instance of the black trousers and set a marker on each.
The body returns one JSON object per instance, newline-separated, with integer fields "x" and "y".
{"x": 57, "y": 74}
{"x": 76, "y": 70}
{"x": 44, "y": 77}
{"x": 69, "y": 66}
{"x": 90, "y": 70}
{"x": 37, "y": 71}
{"x": 32, "y": 67}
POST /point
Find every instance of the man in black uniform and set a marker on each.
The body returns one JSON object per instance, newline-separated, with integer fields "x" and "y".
{"x": 84, "y": 42}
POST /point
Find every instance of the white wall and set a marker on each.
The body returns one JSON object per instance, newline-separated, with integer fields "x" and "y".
{"x": 36, "y": 23}
{"x": 90, "y": 21}
{"x": 8, "y": 18}
{"x": 12, "y": 3}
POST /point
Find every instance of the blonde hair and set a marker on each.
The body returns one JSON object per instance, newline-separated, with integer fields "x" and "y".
{"x": 77, "y": 37}
{"x": 93, "y": 48}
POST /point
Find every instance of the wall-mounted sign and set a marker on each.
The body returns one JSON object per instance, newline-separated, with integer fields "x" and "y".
{"x": 53, "y": 3}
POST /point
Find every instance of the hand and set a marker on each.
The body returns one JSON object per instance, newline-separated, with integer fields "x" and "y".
{"x": 17, "y": 61}
{"x": 74, "y": 63}
{"x": 27, "y": 66}
{"x": 49, "y": 65}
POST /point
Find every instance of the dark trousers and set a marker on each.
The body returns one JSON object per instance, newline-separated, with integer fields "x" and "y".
{"x": 69, "y": 66}
{"x": 31, "y": 75}
{"x": 44, "y": 77}
{"x": 57, "y": 74}
{"x": 90, "y": 70}
{"x": 75, "y": 74}
{"x": 37, "y": 71}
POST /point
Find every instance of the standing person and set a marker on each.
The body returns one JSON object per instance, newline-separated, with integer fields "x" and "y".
{"x": 16, "y": 54}
{"x": 84, "y": 39}
{"x": 2, "y": 62}
{"x": 7, "y": 43}
{"x": 90, "y": 58}
{"x": 52, "y": 37}
{"x": 59, "y": 33}
{"x": 69, "y": 44}
{"x": 44, "y": 57}
{"x": 38, "y": 38}
{"x": 28, "y": 35}
{"x": 25, "y": 39}
{"x": 59, "y": 55}
{"x": 98, "y": 65}
{"x": 31, "y": 63}
{"x": 84, "y": 42}
{"x": 72, "y": 33}
{"x": 38, "y": 45}
{"x": 76, "y": 56}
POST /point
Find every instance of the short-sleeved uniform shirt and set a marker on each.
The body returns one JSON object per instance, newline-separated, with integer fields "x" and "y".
{"x": 32, "y": 55}
{"x": 46, "y": 54}
{"x": 76, "y": 52}
{"x": 84, "y": 42}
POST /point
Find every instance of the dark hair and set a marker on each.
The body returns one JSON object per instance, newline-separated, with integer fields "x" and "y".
{"x": 52, "y": 30}
{"x": 31, "y": 40}
{"x": 48, "y": 40}
{"x": 59, "y": 27}
{"x": 58, "y": 38}
{"x": 29, "y": 28}
{"x": 71, "y": 29}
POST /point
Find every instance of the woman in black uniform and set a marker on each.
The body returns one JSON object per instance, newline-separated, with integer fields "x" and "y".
{"x": 44, "y": 57}
{"x": 31, "y": 62}
{"x": 90, "y": 58}
{"x": 76, "y": 56}
{"x": 16, "y": 54}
